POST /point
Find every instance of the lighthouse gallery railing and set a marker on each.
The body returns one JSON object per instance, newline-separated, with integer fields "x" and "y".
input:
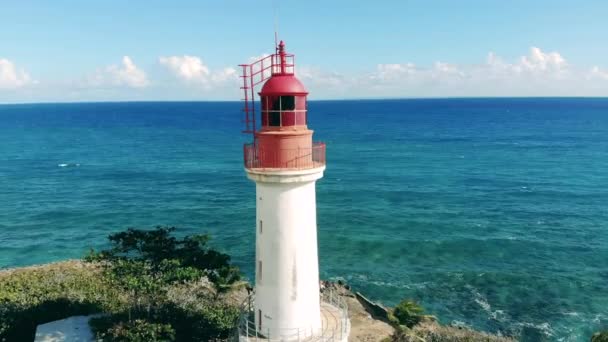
{"x": 295, "y": 159}
{"x": 247, "y": 329}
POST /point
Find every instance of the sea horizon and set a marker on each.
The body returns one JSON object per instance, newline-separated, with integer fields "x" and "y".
{"x": 313, "y": 99}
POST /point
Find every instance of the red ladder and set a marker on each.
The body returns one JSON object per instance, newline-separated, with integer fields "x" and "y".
{"x": 254, "y": 74}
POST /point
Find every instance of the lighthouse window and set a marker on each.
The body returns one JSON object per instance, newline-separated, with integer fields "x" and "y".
{"x": 301, "y": 110}
{"x": 259, "y": 320}
{"x": 288, "y": 102}
{"x": 278, "y": 111}
{"x": 274, "y": 116}
{"x": 259, "y": 270}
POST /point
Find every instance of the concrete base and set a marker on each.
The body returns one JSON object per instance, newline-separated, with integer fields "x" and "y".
{"x": 72, "y": 329}
{"x": 335, "y": 328}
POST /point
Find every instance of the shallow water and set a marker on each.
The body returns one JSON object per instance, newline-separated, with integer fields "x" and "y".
{"x": 492, "y": 212}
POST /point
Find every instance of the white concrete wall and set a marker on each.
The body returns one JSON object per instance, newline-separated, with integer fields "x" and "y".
{"x": 287, "y": 287}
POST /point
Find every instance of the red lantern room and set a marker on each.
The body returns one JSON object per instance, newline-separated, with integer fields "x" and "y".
{"x": 283, "y": 141}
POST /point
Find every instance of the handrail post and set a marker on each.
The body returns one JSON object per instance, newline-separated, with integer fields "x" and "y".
{"x": 247, "y": 326}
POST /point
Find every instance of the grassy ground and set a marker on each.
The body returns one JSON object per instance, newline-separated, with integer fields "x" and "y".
{"x": 38, "y": 294}
{"x": 35, "y": 295}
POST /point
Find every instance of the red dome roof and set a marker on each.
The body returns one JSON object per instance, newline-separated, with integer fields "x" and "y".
{"x": 283, "y": 85}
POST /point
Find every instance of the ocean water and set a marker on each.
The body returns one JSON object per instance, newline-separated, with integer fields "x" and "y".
{"x": 493, "y": 213}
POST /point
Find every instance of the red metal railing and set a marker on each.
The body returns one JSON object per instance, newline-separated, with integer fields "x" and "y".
{"x": 289, "y": 159}
{"x": 256, "y": 73}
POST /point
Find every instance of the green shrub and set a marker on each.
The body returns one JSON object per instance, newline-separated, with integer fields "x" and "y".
{"x": 408, "y": 313}
{"x": 131, "y": 283}
{"x": 168, "y": 258}
{"x": 155, "y": 270}
{"x": 111, "y": 329}
{"x": 37, "y": 295}
{"x": 600, "y": 337}
{"x": 209, "y": 322}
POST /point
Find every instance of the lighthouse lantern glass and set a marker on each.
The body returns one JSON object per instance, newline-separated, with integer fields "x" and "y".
{"x": 283, "y": 110}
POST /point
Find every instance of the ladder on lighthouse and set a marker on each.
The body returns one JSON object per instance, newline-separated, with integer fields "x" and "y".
{"x": 253, "y": 74}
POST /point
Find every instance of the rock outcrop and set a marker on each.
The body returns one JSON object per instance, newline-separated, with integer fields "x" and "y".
{"x": 370, "y": 323}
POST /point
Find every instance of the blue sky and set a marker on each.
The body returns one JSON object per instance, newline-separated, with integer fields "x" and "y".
{"x": 188, "y": 50}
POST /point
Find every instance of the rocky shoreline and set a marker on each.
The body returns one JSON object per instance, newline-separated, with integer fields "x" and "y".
{"x": 370, "y": 321}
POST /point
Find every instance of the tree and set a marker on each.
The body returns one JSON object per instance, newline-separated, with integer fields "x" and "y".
{"x": 146, "y": 265}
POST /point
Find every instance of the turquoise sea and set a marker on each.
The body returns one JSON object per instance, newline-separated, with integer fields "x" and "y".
{"x": 491, "y": 212}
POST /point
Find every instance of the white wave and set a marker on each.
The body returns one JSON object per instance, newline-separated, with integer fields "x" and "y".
{"x": 459, "y": 324}
{"x": 598, "y": 318}
{"x": 545, "y": 327}
{"x": 69, "y": 165}
{"x": 482, "y": 301}
{"x": 364, "y": 278}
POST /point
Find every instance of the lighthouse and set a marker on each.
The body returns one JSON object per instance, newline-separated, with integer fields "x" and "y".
{"x": 285, "y": 164}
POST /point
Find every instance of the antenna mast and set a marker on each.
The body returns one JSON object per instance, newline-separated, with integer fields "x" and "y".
{"x": 276, "y": 24}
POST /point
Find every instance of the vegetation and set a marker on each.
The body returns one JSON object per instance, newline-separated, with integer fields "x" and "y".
{"x": 150, "y": 286}
{"x": 412, "y": 325}
{"x": 35, "y": 295}
{"x": 148, "y": 266}
{"x": 139, "y": 259}
{"x": 439, "y": 333}
{"x": 407, "y": 313}
{"x": 132, "y": 331}
{"x": 600, "y": 337}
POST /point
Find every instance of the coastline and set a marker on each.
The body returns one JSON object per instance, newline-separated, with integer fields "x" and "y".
{"x": 369, "y": 319}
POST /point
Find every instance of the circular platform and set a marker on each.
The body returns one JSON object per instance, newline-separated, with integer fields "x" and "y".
{"x": 335, "y": 325}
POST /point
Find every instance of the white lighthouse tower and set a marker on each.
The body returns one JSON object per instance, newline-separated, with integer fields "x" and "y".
{"x": 285, "y": 164}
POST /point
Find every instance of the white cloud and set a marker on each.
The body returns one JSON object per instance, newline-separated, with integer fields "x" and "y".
{"x": 226, "y": 74}
{"x": 396, "y": 74}
{"x": 537, "y": 63}
{"x": 316, "y": 77}
{"x": 10, "y": 77}
{"x": 188, "y": 68}
{"x": 192, "y": 69}
{"x": 127, "y": 74}
{"x": 385, "y": 72}
{"x": 441, "y": 69}
{"x": 536, "y": 73}
{"x": 542, "y": 61}
{"x": 596, "y": 72}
